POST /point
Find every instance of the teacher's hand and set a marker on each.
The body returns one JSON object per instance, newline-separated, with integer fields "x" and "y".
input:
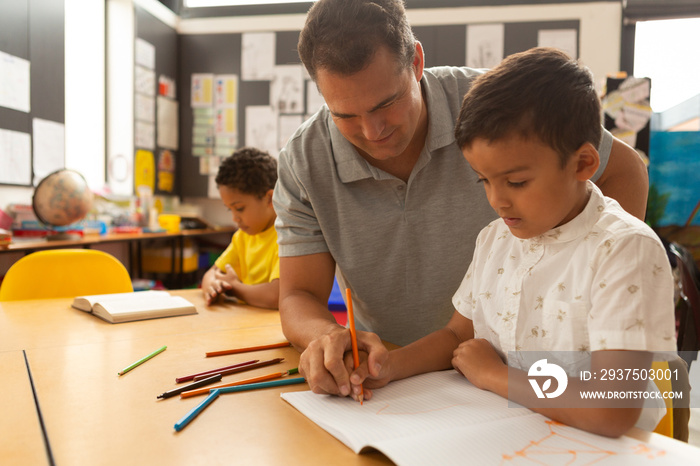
{"x": 327, "y": 361}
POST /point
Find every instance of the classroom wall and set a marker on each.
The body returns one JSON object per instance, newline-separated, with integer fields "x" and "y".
{"x": 96, "y": 99}
{"x": 213, "y": 45}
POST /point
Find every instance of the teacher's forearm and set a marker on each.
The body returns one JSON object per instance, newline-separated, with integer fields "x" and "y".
{"x": 304, "y": 318}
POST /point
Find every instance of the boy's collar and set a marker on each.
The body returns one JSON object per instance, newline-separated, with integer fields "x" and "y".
{"x": 580, "y": 225}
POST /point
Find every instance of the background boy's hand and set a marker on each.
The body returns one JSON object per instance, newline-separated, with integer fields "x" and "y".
{"x": 479, "y": 363}
{"x": 221, "y": 283}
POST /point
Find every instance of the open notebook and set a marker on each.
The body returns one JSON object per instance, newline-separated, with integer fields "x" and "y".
{"x": 440, "y": 418}
{"x": 138, "y": 305}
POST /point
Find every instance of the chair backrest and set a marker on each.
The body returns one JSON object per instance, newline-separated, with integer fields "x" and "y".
{"x": 60, "y": 273}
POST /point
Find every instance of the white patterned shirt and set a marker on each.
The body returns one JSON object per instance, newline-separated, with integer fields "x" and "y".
{"x": 601, "y": 281}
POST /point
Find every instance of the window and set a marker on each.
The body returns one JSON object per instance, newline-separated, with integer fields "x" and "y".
{"x": 667, "y": 52}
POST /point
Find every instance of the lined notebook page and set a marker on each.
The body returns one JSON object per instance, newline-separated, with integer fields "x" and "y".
{"x": 440, "y": 418}
{"x": 411, "y": 407}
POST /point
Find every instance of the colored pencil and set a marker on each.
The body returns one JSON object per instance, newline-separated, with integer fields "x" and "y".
{"x": 182, "y": 423}
{"x": 202, "y": 383}
{"x": 187, "y": 378}
{"x": 245, "y": 350}
{"x": 142, "y": 360}
{"x": 255, "y": 386}
{"x": 262, "y": 378}
{"x": 353, "y": 337}
{"x": 247, "y": 367}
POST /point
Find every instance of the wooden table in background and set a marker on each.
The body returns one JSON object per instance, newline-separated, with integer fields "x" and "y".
{"x": 177, "y": 242}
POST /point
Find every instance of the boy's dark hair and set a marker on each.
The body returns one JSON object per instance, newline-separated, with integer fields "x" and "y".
{"x": 341, "y": 36}
{"x": 249, "y": 170}
{"x": 541, "y": 92}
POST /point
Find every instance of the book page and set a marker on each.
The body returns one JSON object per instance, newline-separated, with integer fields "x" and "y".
{"x": 441, "y": 418}
{"x": 85, "y": 303}
{"x": 125, "y": 310}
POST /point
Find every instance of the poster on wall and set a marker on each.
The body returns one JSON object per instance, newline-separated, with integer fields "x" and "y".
{"x": 258, "y": 56}
{"x": 16, "y": 160}
{"x": 314, "y": 99}
{"x": 167, "y": 122}
{"x": 202, "y": 90}
{"x": 226, "y": 112}
{"x": 144, "y": 95}
{"x": 14, "y": 82}
{"x": 287, "y": 89}
{"x": 485, "y": 43}
{"x": 48, "y": 146}
{"x": 166, "y": 171}
{"x": 288, "y": 124}
{"x": 144, "y": 169}
{"x": 261, "y": 128}
{"x": 562, "y": 39}
{"x": 144, "y": 53}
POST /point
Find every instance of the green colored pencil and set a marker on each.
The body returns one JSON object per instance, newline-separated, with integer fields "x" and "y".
{"x": 142, "y": 360}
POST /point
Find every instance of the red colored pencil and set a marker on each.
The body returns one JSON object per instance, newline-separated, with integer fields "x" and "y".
{"x": 245, "y": 350}
{"x": 187, "y": 378}
{"x": 242, "y": 368}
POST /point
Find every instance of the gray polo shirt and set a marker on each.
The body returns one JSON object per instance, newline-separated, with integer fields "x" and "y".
{"x": 403, "y": 248}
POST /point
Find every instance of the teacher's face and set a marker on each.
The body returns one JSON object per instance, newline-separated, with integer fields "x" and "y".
{"x": 378, "y": 109}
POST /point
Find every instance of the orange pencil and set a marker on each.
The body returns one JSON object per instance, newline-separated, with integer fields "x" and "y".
{"x": 262, "y": 378}
{"x": 245, "y": 350}
{"x": 353, "y": 336}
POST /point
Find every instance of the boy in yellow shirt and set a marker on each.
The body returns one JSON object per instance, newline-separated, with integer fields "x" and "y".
{"x": 249, "y": 267}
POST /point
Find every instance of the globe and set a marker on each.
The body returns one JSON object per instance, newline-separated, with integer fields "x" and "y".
{"x": 62, "y": 198}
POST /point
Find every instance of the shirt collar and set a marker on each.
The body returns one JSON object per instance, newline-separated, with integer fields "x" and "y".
{"x": 581, "y": 225}
{"x": 440, "y": 120}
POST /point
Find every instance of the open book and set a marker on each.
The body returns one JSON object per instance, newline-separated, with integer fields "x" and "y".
{"x": 441, "y": 418}
{"x": 138, "y": 305}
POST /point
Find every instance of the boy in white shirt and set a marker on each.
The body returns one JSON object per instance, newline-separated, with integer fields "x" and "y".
{"x": 563, "y": 269}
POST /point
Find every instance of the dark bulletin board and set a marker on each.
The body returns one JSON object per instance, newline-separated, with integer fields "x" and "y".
{"x": 165, "y": 41}
{"x": 34, "y": 30}
{"x": 221, "y": 54}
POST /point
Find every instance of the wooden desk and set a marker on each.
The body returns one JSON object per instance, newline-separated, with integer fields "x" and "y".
{"x": 21, "y": 439}
{"x": 92, "y": 416}
{"x": 53, "y": 323}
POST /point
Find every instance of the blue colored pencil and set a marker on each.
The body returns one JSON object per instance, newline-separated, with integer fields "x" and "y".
{"x": 182, "y": 423}
{"x": 254, "y": 386}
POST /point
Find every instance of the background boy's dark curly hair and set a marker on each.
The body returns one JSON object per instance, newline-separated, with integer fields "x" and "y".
{"x": 248, "y": 170}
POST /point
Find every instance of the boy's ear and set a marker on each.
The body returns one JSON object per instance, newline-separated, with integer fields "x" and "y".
{"x": 268, "y": 196}
{"x": 587, "y": 161}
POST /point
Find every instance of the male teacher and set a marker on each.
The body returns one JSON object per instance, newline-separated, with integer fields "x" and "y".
{"x": 374, "y": 188}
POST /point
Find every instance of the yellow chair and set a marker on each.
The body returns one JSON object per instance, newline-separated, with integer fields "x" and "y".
{"x": 61, "y": 273}
{"x": 675, "y": 423}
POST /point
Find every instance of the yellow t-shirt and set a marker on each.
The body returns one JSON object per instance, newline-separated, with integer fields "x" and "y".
{"x": 254, "y": 258}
